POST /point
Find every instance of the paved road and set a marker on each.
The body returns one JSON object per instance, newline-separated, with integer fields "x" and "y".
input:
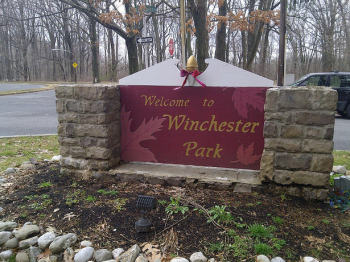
{"x": 342, "y": 134}
{"x": 35, "y": 113}
{"x": 28, "y": 114}
{"x": 11, "y": 87}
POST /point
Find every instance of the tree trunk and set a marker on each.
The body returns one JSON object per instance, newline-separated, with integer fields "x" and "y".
{"x": 220, "y": 50}
{"x": 94, "y": 51}
{"x": 199, "y": 14}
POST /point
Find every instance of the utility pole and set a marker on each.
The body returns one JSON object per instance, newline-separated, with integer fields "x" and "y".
{"x": 282, "y": 45}
{"x": 183, "y": 33}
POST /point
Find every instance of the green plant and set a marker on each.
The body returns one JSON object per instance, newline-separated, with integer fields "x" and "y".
{"x": 73, "y": 198}
{"x": 46, "y": 202}
{"x": 326, "y": 221}
{"x": 231, "y": 233}
{"x": 45, "y": 184}
{"x": 259, "y": 231}
{"x": 90, "y": 199}
{"x": 240, "y": 247}
{"x": 31, "y": 197}
{"x": 119, "y": 204}
{"x": 44, "y": 196}
{"x": 283, "y": 197}
{"x": 278, "y": 243}
{"x": 250, "y": 205}
{"x": 278, "y": 220}
{"x": 331, "y": 179}
{"x": 37, "y": 206}
{"x": 262, "y": 249}
{"x": 162, "y": 202}
{"x": 174, "y": 207}
{"x": 219, "y": 214}
{"x": 310, "y": 228}
{"x": 346, "y": 224}
{"x": 108, "y": 193}
{"x": 74, "y": 184}
{"x": 216, "y": 247}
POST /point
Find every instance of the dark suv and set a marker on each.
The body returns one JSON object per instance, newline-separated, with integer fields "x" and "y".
{"x": 339, "y": 81}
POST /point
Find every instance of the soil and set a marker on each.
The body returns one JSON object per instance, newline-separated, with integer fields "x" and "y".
{"x": 89, "y": 209}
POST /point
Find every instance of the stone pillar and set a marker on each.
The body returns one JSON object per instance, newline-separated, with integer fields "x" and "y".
{"x": 89, "y": 128}
{"x": 298, "y": 131}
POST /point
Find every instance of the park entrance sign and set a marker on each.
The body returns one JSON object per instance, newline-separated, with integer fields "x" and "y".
{"x": 214, "y": 119}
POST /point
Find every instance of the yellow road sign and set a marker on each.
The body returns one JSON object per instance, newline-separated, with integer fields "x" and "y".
{"x": 75, "y": 64}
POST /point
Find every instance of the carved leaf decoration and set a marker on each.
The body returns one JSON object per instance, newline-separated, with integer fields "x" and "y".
{"x": 245, "y": 155}
{"x": 242, "y": 97}
{"x": 131, "y": 150}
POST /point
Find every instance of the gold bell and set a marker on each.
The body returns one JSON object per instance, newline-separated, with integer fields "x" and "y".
{"x": 191, "y": 64}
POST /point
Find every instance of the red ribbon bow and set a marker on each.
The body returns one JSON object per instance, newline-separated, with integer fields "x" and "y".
{"x": 185, "y": 73}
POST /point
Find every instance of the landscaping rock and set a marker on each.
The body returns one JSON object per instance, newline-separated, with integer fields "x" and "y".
{"x": 28, "y": 166}
{"x": 56, "y": 158}
{"x": 131, "y": 254}
{"x": 198, "y": 257}
{"x": 7, "y": 226}
{"x": 62, "y": 242}
{"x": 117, "y": 252}
{"x": 45, "y": 240}
{"x": 141, "y": 258}
{"x": 85, "y": 254}
{"x": 10, "y": 170}
{"x": 262, "y": 258}
{"x": 85, "y": 244}
{"x": 277, "y": 259}
{"x": 12, "y": 243}
{"x": 26, "y": 231}
{"x": 5, "y": 254}
{"x": 22, "y": 257}
{"x": 339, "y": 170}
{"x": 309, "y": 259}
{"x": 102, "y": 255}
{"x": 28, "y": 242}
{"x": 179, "y": 259}
{"x": 4, "y": 237}
{"x": 33, "y": 252}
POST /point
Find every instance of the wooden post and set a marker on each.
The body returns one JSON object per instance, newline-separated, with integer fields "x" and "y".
{"x": 183, "y": 33}
{"x": 282, "y": 45}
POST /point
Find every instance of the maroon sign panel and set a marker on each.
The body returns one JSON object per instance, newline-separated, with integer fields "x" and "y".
{"x": 211, "y": 126}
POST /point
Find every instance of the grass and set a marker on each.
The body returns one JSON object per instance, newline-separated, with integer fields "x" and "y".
{"x": 342, "y": 158}
{"x": 15, "y": 150}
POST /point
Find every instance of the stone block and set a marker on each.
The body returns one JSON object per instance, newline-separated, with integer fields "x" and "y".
{"x": 314, "y": 132}
{"x": 88, "y": 141}
{"x": 113, "y": 93}
{"x": 314, "y": 118}
{"x": 329, "y": 133}
{"x": 89, "y": 92}
{"x": 301, "y": 177}
{"x": 291, "y": 131}
{"x": 267, "y": 165}
{"x": 318, "y": 146}
{"x": 287, "y": 161}
{"x": 74, "y": 106}
{"x": 283, "y": 145}
{"x": 316, "y": 194}
{"x": 94, "y": 107}
{"x": 64, "y": 151}
{"x": 271, "y": 129}
{"x": 271, "y": 100}
{"x": 68, "y": 118}
{"x": 90, "y": 119}
{"x": 98, "y": 153}
{"x": 273, "y": 116}
{"x": 92, "y": 131}
{"x": 324, "y": 99}
{"x": 322, "y": 163}
{"x": 66, "y": 141}
{"x": 60, "y": 106}
{"x": 77, "y": 152}
{"x": 294, "y": 98}
{"x": 64, "y": 91}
